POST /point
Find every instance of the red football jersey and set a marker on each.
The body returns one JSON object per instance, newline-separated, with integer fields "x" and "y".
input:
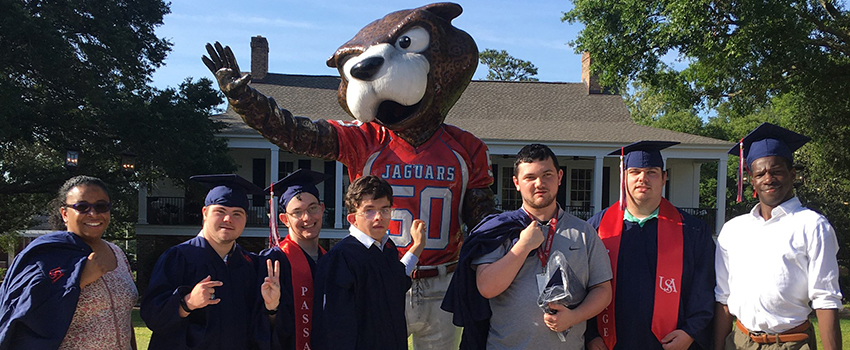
{"x": 429, "y": 182}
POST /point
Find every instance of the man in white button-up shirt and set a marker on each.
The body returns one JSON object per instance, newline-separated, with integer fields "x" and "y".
{"x": 777, "y": 260}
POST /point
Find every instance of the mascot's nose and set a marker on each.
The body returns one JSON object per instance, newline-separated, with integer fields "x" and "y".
{"x": 366, "y": 69}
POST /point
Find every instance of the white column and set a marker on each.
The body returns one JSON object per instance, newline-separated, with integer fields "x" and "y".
{"x": 597, "y": 184}
{"x": 143, "y": 205}
{"x": 274, "y": 167}
{"x": 721, "y": 193}
{"x": 338, "y": 212}
{"x": 666, "y": 167}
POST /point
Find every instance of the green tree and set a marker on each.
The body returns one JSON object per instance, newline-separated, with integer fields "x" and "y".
{"x": 504, "y": 67}
{"x": 75, "y": 75}
{"x": 744, "y": 62}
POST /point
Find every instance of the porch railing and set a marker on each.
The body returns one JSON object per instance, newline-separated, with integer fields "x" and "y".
{"x": 176, "y": 211}
{"x": 709, "y": 215}
{"x": 583, "y": 212}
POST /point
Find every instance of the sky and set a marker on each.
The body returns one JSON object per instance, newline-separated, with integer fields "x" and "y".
{"x": 302, "y": 34}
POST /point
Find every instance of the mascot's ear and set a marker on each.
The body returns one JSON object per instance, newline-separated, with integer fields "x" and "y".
{"x": 444, "y": 10}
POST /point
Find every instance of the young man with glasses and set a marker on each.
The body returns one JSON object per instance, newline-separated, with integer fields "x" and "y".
{"x": 296, "y": 256}
{"x": 360, "y": 283}
{"x": 662, "y": 261}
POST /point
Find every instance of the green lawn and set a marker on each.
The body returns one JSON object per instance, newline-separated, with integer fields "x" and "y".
{"x": 143, "y": 334}
{"x": 845, "y": 332}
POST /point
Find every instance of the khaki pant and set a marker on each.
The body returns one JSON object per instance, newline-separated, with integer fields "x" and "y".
{"x": 738, "y": 340}
{"x": 430, "y": 326}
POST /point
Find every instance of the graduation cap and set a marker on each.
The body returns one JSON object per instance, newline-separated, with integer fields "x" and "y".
{"x": 769, "y": 140}
{"x": 766, "y": 140}
{"x": 300, "y": 181}
{"x": 641, "y": 154}
{"x": 229, "y": 190}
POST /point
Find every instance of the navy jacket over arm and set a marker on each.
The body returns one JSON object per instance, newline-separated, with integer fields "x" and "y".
{"x": 471, "y": 310}
{"x": 40, "y": 293}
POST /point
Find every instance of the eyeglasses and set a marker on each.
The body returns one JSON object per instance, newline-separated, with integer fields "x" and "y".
{"x": 370, "y": 214}
{"x": 311, "y": 210}
{"x": 85, "y": 207}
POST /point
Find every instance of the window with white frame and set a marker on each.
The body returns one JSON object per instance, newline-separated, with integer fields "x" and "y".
{"x": 581, "y": 187}
{"x": 284, "y": 169}
{"x": 511, "y": 199}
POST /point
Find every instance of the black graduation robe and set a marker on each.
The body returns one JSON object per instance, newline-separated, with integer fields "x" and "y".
{"x": 363, "y": 292}
{"x": 39, "y": 295}
{"x": 225, "y": 325}
{"x": 636, "y": 281}
{"x": 282, "y": 336}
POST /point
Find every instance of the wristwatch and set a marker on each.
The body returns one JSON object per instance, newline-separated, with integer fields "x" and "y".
{"x": 184, "y": 306}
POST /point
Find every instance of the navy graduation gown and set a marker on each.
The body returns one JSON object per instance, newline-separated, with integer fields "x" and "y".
{"x": 636, "y": 280}
{"x": 363, "y": 292}
{"x": 221, "y": 326}
{"x": 282, "y": 335}
{"x": 471, "y": 310}
{"x": 39, "y": 296}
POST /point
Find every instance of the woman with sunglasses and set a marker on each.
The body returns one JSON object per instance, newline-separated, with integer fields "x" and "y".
{"x": 70, "y": 289}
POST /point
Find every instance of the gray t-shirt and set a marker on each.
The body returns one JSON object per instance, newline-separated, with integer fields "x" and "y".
{"x": 517, "y": 321}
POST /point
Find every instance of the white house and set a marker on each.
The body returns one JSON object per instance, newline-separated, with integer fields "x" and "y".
{"x": 579, "y": 121}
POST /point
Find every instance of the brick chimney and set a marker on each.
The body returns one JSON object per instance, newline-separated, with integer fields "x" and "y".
{"x": 259, "y": 57}
{"x": 592, "y": 81}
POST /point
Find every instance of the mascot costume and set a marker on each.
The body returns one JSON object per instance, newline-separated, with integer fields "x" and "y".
{"x": 400, "y": 77}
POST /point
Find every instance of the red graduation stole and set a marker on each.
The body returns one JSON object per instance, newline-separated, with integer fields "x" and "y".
{"x": 668, "y": 272}
{"x": 302, "y": 291}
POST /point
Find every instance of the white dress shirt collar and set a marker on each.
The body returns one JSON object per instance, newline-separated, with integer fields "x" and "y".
{"x": 785, "y": 208}
{"x": 365, "y": 239}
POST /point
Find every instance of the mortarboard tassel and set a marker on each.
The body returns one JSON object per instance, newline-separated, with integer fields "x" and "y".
{"x": 274, "y": 236}
{"x": 622, "y": 180}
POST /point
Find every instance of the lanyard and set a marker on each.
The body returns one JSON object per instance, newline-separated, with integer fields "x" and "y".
{"x": 543, "y": 254}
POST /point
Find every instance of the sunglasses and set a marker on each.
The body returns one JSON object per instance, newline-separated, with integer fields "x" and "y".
{"x": 85, "y": 207}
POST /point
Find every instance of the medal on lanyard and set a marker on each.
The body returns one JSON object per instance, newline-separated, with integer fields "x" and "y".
{"x": 543, "y": 253}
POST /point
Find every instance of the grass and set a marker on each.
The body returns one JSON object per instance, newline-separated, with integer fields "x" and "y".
{"x": 143, "y": 334}
{"x": 845, "y": 332}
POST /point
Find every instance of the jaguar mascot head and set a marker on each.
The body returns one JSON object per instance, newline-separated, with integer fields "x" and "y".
{"x": 405, "y": 71}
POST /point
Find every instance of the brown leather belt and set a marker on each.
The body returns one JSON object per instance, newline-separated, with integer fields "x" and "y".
{"x": 793, "y": 334}
{"x": 433, "y": 271}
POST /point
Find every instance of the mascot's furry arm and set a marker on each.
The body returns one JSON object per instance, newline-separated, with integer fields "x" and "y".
{"x": 300, "y": 135}
{"x": 479, "y": 203}
{"x": 433, "y": 63}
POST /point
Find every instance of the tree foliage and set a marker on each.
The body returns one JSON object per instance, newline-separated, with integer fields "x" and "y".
{"x": 75, "y": 75}
{"x": 742, "y": 63}
{"x": 504, "y": 67}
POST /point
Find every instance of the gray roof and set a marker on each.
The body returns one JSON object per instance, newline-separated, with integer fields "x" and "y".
{"x": 491, "y": 110}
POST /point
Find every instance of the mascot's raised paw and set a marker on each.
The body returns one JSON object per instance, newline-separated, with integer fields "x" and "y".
{"x": 222, "y": 63}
